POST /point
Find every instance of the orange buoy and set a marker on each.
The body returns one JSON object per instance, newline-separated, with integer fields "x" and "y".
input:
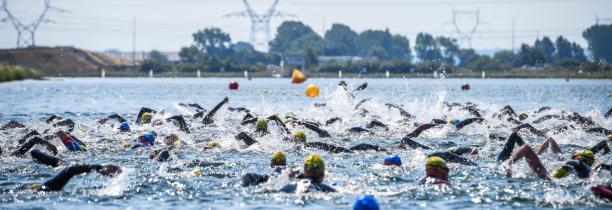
{"x": 312, "y": 90}
{"x": 297, "y": 76}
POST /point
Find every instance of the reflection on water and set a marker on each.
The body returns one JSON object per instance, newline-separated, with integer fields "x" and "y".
{"x": 149, "y": 184}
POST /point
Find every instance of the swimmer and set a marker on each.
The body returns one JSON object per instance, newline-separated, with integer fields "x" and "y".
{"x": 312, "y": 177}
{"x": 278, "y": 162}
{"x": 208, "y": 118}
{"x": 436, "y": 171}
{"x": 60, "y": 180}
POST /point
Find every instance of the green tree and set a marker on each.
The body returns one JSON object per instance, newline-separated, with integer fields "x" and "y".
{"x": 547, "y": 47}
{"x": 426, "y": 48}
{"x": 564, "y": 48}
{"x": 375, "y": 43}
{"x": 599, "y": 38}
{"x": 312, "y": 58}
{"x": 505, "y": 58}
{"x": 157, "y": 56}
{"x": 466, "y": 57}
{"x": 450, "y": 49}
{"x": 530, "y": 56}
{"x": 400, "y": 48}
{"x": 191, "y": 54}
{"x": 213, "y": 42}
{"x": 578, "y": 52}
{"x": 340, "y": 40}
{"x": 294, "y": 36}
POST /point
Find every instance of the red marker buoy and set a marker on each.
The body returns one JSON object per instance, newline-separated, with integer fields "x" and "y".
{"x": 233, "y": 85}
{"x": 465, "y": 86}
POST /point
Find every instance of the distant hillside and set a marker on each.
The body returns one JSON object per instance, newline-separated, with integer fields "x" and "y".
{"x": 67, "y": 61}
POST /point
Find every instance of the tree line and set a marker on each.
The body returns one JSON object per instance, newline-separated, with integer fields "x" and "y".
{"x": 380, "y": 50}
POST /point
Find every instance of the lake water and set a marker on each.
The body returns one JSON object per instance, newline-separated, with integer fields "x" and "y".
{"x": 148, "y": 184}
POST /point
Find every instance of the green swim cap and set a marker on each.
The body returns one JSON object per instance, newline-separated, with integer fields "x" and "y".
{"x": 435, "y": 161}
{"x": 262, "y": 124}
{"x": 560, "y": 172}
{"x": 585, "y": 155}
{"x": 146, "y": 117}
{"x": 523, "y": 116}
{"x": 314, "y": 160}
{"x": 299, "y": 136}
{"x": 278, "y": 158}
{"x": 35, "y": 186}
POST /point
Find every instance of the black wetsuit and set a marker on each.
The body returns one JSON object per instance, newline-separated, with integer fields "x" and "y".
{"x": 11, "y": 125}
{"x": 60, "y": 180}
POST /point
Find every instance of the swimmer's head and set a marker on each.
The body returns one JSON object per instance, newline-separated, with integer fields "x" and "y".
{"x": 278, "y": 159}
{"x": 314, "y": 167}
{"x": 35, "y": 187}
{"x": 149, "y": 138}
{"x": 172, "y": 140}
{"x": 262, "y": 124}
{"x": 146, "y": 117}
{"x": 523, "y": 116}
{"x": 436, "y": 167}
{"x": 393, "y": 160}
{"x": 585, "y": 155}
{"x": 366, "y": 202}
{"x": 125, "y": 126}
{"x": 299, "y": 136}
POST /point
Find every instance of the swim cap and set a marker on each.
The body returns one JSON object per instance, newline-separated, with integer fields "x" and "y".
{"x": 610, "y": 137}
{"x": 393, "y": 160}
{"x": 560, "y": 172}
{"x": 366, "y": 202}
{"x": 124, "y": 126}
{"x": 585, "y": 155}
{"x": 149, "y": 138}
{"x": 197, "y": 172}
{"x": 523, "y": 116}
{"x": 454, "y": 121}
{"x": 173, "y": 140}
{"x": 278, "y": 158}
{"x": 299, "y": 136}
{"x": 262, "y": 124}
{"x": 435, "y": 161}
{"x": 35, "y": 186}
{"x": 314, "y": 167}
{"x": 146, "y": 117}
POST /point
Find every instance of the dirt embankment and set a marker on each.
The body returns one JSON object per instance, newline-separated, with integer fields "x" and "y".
{"x": 65, "y": 61}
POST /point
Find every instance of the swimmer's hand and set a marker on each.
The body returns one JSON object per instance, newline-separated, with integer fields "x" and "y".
{"x": 109, "y": 170}
{"x": 508, "y": 169}
{"x": 226, "y": 99}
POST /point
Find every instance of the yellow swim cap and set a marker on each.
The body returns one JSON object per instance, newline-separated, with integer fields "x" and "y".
{"x": 196, "y": 172}
{"x": 278, "y": 158}
{"x": 585, "y": 155}
{"x": 262, "y": 124}
{"x": 146, "y": 117}
{"x": 299, "y": 136}
{"x": 610, "y": 137}
{"x": 35, "y": 186}
{"x": 213, "y": 144}
{"x": 314, "y": 160}
{"x": 435, "y": 161}
{"x": 312, "y": 90}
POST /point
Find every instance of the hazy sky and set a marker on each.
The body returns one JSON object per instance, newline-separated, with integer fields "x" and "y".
{"x": 168, "y": 24}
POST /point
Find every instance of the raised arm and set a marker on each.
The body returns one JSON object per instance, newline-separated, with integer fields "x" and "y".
{"x": 208, "y": 119}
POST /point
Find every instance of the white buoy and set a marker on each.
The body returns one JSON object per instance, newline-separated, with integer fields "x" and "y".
{"x": 387, "y": 74}
{"x": 339, "y": 74}
{"x": 199, "y": 73}
{"x": 483, "y": 74}
{"x": 435, "y": 74}
{"x": 103, "y": 73}
{"x": 151, "y": 73}
{"x": 246, "y": 74}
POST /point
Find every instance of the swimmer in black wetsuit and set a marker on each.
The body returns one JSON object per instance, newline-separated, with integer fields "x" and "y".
{"x": 60, "y": 180}
{"x": 278, "y": 162}
{"x": 11, "y": 125}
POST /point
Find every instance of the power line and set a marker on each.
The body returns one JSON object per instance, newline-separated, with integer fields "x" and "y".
{"x": 26, "y": 33}
{"x": 260, "y": 23}
{"x": 465, "y": 35}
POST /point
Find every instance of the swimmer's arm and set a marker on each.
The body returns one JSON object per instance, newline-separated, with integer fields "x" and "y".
{"x": 278, "y": 121}
{"x": 33, "y": 141}
{"x": 53, "y": 117}
{"x": 322, "y": 133}
{"x": 602, "y": 145}
{"x": 361, "y": 102}
{"x": 532, "y": 159}
{"x": 411, "y": 143}
{"x": 530, "y": 128}
{"x": 549, "y": 142}
{"x": 60, "y": 180}
{"x": 248, "y": 140}
{"x": 252, "y": 120}
{"x": 113, "y": 116}
{"x": 468, "y": 121}
{"x": 453, "y": 158}
{"x": 608, "y": 114}
{"x": 509, "y": 147}
{"x": 67, "y": 122}
{"x": 416, "y": 132}
{"x": 208, "y": 118}
{"x": 180, "y": 121}
{"x": 332, "y": 121}
{"x": 44, "y": 158}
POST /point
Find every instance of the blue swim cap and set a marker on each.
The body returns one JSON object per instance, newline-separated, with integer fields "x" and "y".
{"x": 366, "y": 202}
{"x": 149, "y": 138}
{"x": 393, "y": 160}
{"x": 454, "y": 121}
{"x": 124, "y": 126}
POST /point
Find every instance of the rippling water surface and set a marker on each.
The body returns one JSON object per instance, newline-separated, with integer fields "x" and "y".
{"x": 148, "y": 184}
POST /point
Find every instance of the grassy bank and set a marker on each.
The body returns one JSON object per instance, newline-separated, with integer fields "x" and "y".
{"x": 10, "y": 73}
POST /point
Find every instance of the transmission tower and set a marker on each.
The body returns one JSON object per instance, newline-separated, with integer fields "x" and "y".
{"x": 260, "y": 23}
{"x": 600, "y": 19}
{"x": 466, "y": 34}
{"x": 26, "y": 31}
